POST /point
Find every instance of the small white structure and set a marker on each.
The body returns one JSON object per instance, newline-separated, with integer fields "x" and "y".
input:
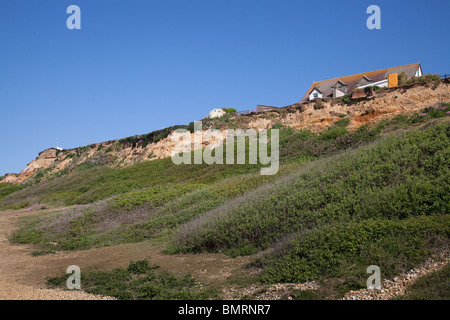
{"x": 315, "y": 94}
{"x": 216, "y": 113}
{"x": 57, "y": 147}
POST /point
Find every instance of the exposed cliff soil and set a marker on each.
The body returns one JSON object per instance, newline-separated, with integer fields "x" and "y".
{"x": 10, "y": 178}
{"x": 316, "y": 117}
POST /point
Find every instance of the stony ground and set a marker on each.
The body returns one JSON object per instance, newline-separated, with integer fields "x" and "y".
{"x": 390, "y": 288}
{"x": 267, "y": 292}
{"x": 398, "y": 286}
{"x": 14, "y": 264}
{"x": 23, "y": 276}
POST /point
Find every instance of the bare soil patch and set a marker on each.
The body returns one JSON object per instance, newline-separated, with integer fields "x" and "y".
{"x": 23, "y": 276}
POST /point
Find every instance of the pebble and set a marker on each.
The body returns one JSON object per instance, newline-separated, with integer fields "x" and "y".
{"x": 398, "y": 285}
{"x": 390, "y": 288}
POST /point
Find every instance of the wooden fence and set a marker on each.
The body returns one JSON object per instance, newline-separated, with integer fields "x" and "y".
{"x": 239, "y": 113}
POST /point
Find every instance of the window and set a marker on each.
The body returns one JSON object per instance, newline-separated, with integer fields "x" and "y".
{"x": 315, "y": 95}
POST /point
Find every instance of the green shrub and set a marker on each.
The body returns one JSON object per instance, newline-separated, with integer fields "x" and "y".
{"x": 304, "y": 295}
{"x": 348, "y": 249}
{"x": 346, "y": 99}
{"x": 156, "y": 195}
{"x": 405, "y": 80}
{"x": 152, "y": 199}
{"x": 434, "y": 286}
{"x": 436, "y": 112}
{"x": 369, "y": 89}
{"x": 277, "y": 126}
{"x": 190, "y": 127}
{"x": 70, "y": 156}
{"x": 8, "y": 188}
{"x": 140, "y": 281}
{"x": 334, "y": 133}
{"x": 140, "y": 267}
{"x": 318, "y": 105}
{"x": 398, "y": 177}
{"x": 342, "y": 123}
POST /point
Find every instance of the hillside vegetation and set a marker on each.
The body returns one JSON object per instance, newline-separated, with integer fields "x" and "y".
{"x": 140, "y": 281}
{"x": 314, "y": 116}
{"x": 397, "y": 177}
{"x": 435, "y": 286}
{"x": 340, "y": 202}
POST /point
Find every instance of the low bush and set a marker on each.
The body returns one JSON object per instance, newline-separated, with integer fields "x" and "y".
{"x": 404, "y": 79}
{"x": 434, "y": 286}
{"x": 156, "y": 196}
{"x": 397, "y": 177}
{"x": 8, "y": 188}
{"x": 139, "y": 281}
{"x": 348, "y": 249}
{"x": 277, "y": 126}
{"x": 318, "y": 105}
{"x": 229, "y": 110}
{"x": 338, "y": 130}
{"x": 346, "y": 99}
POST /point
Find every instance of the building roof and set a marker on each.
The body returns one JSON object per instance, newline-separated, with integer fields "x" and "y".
{"x": 326, "y": 86}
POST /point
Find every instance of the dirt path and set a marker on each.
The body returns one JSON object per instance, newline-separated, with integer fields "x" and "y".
{"x": 23, "y": 276}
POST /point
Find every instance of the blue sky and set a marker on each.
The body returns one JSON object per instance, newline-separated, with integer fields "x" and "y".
{"x": 141, "y": 65}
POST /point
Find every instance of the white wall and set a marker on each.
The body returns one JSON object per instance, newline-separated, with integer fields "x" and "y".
{"x": 311, "y": 95}
{"x": 418, "y": 72}
{"x": 382, "y": 83}
{"x": 338, "y": 93}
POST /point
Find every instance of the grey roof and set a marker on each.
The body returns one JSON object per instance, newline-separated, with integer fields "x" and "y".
{"x": 326, "y": 86}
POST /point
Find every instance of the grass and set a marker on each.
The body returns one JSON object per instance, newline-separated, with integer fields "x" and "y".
{"x": 95, "y": 182}
{"x": 347, "y": 249}
{"x": 157, "y": 196}
{"x": 434, "y": 286}
{"x": 41, "y": 252}
{"x": 102, "y": 224}
{"x": 137, "y": 215}
{"x": 304, "y": 295}
{"x": 99, "y": 183}
{"x": 139, "y": 281}
{"x": 150, "y": 200}
{"x": 338, "y": 130}
{"x": 8, "y": 188}
{"x": 397, "y": 177}
{"x": 340, "y": 202}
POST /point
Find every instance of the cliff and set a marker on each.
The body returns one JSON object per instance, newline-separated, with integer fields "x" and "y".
{"x": 313, "y": 116}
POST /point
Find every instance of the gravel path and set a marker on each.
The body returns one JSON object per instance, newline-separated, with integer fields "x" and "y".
{"x": 23, "y": 276}
{"x": 389, "y": 288}
{"x": 398, "y": 286}
{"x": 15, "y": 263}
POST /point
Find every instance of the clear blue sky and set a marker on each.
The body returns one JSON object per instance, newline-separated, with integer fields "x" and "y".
{"x": 141, "y": 65}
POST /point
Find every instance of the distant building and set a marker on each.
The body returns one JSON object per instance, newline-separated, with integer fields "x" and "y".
{"x": 216, "y": 113}
{"x": 263, "y": 108}
{"x": 338, "y": 87}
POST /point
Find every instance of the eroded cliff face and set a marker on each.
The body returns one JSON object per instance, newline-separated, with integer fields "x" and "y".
{"x": 384, "y": 104}
{"x": 10, "y": 178}
{"x": 311, "y": 116}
